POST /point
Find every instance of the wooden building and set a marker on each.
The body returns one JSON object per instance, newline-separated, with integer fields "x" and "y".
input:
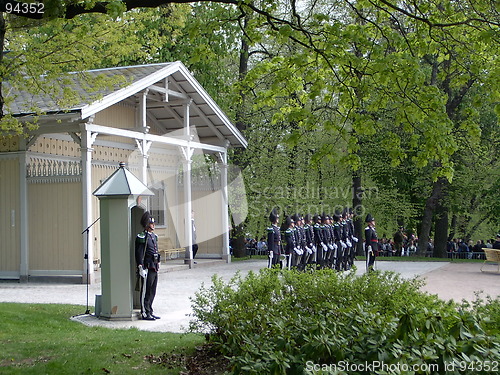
{"x": 166, "y": 129}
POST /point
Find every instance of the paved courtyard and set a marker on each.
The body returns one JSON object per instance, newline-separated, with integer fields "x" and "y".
{"x": 454, "y": 281}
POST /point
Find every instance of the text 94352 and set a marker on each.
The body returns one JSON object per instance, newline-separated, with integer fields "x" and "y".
{"x": 16, "y": 7}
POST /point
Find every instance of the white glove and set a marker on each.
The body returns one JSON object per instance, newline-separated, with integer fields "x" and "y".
{"x": 324, "y": 247}
{"x": 313, "y": 249}
{"x": 343, "y": 244}
{"x": 349, "y": 243}
{"x": 309, "y": 250}
{"x": 142, "y": 272}
{"x": 335, "y": 246}
{"x": 298, "y": 251}
{"x": 330, "y": 246}
{"x": 370, "y": 250}
{"x": 355, "y": 239}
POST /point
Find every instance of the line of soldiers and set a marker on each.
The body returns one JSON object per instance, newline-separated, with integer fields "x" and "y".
{"x": 320, "y": 240}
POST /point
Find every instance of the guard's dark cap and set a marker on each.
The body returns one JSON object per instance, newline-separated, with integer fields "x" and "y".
{"x": 369, "y": 218}
{"x": 273, "y": 216}
{"x": 147, "y": 219}
{"x": 289, "y": 221}
{"x": 307, "y": 218}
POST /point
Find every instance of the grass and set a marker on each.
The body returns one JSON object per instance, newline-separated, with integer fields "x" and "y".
{"x": 41, "y": 339}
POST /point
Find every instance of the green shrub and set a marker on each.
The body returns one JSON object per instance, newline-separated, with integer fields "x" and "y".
{"x": 278, "y": 322}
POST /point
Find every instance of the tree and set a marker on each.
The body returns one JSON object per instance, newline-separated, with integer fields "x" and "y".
{"x": 364, "y": 75}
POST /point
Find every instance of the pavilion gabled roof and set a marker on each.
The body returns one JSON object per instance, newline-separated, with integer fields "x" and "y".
{"x": 169, "y": 86}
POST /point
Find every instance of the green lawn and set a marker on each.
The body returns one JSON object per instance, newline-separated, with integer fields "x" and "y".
{"x": 41, "y": 339}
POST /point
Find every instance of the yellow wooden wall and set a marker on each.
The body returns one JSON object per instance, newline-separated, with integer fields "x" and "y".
{"x": 9, "y": 215}
{"x": 55, "y": 226}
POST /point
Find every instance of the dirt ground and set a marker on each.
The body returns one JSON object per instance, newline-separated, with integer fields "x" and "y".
{"x": 459, "y": 281}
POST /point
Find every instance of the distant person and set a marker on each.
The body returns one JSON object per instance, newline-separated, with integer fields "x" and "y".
{"x": 262, "y": 246}
{"x": 398, "y": 241}
{"x": 496, "y": 244}
{"x": 193, "y": 228}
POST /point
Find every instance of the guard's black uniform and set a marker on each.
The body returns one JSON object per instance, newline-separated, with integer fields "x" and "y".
{"x": 371, "y": 243}
{"x": 274, "y": 244}
{"x": 310, "y": 241}
{"x": 320, "y": 243}
{"x": 146, "y": 254}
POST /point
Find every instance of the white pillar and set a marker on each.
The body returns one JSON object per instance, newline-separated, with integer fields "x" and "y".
{"x": 188, "y": 207}
{"x": 87, "y": 139}
{"x": 23, "y": 213}
{"x": 143, "y": 144}
{"x": 226, "y": 255}
{"x": 188, "y": 152}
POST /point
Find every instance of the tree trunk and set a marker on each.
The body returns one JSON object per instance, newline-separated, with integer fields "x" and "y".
{"x": 453, "y": 227}
{"x": 441, "y": 236}
{"x": 238, "y": 242}
{"x": 430, "y": 207}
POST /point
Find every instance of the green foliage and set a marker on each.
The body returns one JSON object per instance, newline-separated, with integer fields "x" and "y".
{"x": 277, "y": 322}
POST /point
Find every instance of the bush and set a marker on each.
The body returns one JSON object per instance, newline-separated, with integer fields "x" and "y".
{"x": 280, "y": 321}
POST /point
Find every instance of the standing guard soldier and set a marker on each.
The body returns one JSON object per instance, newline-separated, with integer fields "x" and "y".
{"x": 148, "y": 263}
{"x": 273, "y": 239}
{"x": 371, "y": 242}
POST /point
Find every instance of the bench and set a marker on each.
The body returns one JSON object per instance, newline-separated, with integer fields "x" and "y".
{"x": 492, "y": 257}
{"x": 166, "y": 254}
{"x": 167, "y": 250}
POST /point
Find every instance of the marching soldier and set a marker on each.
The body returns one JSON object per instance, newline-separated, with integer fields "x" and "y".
{"x": 346, "y": 240}
{"x": 310, "y": 248}
{"x": 331, "y": 243}
{"x": 273, "y": 239}
{"x": 300, "y": 239}
{"x": 327, "y": 239}
{"x": 337, "y": 230}
{"x": 371, "y": 242}
{"x": 354, "y": 240}
{"x": 290, "y": 246}
{"x": 320, "y": 243}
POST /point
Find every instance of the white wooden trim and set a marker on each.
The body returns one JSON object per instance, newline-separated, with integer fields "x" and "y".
{"x": 23, "y": 214}
{"x": 151, "y": 137}
{"x": 87, "y": 138}
{"x": 128, "y": 91}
